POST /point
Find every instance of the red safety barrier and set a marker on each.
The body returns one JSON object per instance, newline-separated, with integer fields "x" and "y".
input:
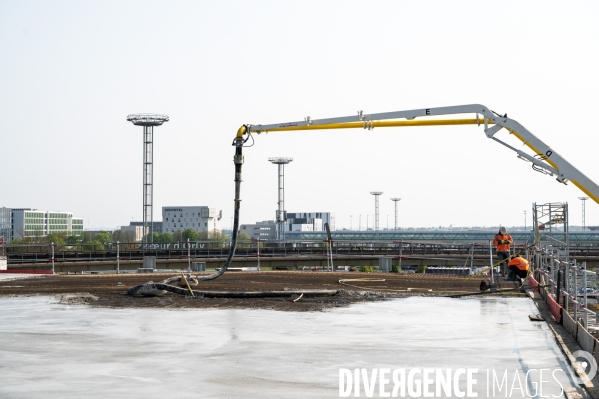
{"x": 26, "y": 271}
{"x": 533, "y": 283}
{"x": 555, "y": 308}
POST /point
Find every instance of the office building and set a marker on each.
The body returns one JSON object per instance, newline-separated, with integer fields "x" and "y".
{"x": 197, "y": 218}
{"x": 4, "y": 225}
{"x": 266, "y": 230}
{"x": 27, "y": 222}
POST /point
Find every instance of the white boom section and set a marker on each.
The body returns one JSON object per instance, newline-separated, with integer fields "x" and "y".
{"x": 546, "y": 158}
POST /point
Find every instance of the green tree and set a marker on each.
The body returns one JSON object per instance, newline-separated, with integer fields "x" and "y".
{"x": 17, "y": 241}
{"x": 56, "y": 238}
{"x": 244, "y": 237}
{"x": 86, "y": 236}
{"x": 103, "y": 237}
{"x": 216, "y": 235}
{"x": 93, "y": 245}
{"x": 218, "y": 239}
{"x": 190, "y": 235}
{"x": 166, "y": 238}
{"x": 72, "y": 240}
{"x": 421, "y": 269}
{"x": 59, "y": 239}
{"x": 177, "y": 236}
{"x": 117, "y": 235}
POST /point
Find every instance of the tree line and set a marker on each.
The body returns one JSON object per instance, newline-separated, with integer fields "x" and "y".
{"x": 100, "y": 241}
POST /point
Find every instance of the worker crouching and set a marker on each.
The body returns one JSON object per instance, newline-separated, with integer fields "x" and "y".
{"x": 518, "y": 267}
{"x": 502, "y": 242}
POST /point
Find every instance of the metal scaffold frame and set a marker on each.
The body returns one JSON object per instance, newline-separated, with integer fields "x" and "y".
{"x": 568, "y": 281}
{"x": 551, "y": 227}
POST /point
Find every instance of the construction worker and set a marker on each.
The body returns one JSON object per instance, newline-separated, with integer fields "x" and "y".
{"x": 517, "y": 267}
{"x": 502, "y": 242}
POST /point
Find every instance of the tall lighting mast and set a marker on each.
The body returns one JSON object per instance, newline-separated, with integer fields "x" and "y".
{"x": 584, "y": 200}
{"x": 376, "y": 209}
{"x": 281, "y": 216}
{"x": 396, "y": 200}
{"x": 148, "y": 121}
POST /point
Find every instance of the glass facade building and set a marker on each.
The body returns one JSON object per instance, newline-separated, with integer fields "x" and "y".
{"x": 4, "y": 225}
{"x": 27, "y": 222}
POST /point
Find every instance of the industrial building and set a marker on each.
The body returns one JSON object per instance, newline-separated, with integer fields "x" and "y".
{"x": 156, "y": 226}
{"x": 197, "y": 218}
{"x": 266, "y": 230}
{"x": 138, "y": 229}
{"x": 27, "y": 222}
{"x": 298, "y": 221}
{"x": 309, "y": 221}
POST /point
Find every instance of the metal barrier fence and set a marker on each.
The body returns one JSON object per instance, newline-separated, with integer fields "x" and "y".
{"x": 570, "y": 283}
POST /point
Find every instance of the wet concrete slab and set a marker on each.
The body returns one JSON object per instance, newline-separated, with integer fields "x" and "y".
{"x": 58, "y": 351}
{"x": 18, "y": 276}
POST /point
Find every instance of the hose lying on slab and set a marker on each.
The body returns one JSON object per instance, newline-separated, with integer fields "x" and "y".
{"x": 266, "y": 294}
{"x": 152, "y": 288}
{"x": 487, "y": 292}
{"x": 367, "y": 280}
{"x": 232, "y": 294}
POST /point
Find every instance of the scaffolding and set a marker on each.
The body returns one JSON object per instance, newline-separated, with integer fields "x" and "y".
{"x": 568, "y": 281}
{"x": 550, "y": 228}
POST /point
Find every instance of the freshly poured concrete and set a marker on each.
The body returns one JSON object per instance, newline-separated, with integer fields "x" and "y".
{"x": 16, "y": 276}
{"x": 58, "y": 351}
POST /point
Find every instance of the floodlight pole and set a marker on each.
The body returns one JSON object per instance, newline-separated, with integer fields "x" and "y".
{"x": 118, "y": 260}
{"x": 584, "y": 200}
{"x": 376, "y": 210}
{"x": 281, "y": 162}
{"x": 396, "y": 200}
{"x": 148, "y": 121}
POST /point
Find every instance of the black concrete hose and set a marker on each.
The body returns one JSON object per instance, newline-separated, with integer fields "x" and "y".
{"x": 165, "y": 284}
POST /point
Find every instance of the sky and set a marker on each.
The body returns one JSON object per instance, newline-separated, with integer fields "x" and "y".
{"x": 72, "y": 71}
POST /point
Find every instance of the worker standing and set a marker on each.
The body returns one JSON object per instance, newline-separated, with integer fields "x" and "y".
{"x": 502, "y": 242}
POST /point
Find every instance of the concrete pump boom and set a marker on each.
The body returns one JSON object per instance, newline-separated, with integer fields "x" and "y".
{"x": 545, "y": 160}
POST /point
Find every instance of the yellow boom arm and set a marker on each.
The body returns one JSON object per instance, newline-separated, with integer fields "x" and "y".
{"x": 545, "y": 160}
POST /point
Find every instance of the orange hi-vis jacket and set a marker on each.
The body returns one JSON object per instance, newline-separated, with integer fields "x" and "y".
{"x": 502, "y": 242}
{"x": 520, "y": 263}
